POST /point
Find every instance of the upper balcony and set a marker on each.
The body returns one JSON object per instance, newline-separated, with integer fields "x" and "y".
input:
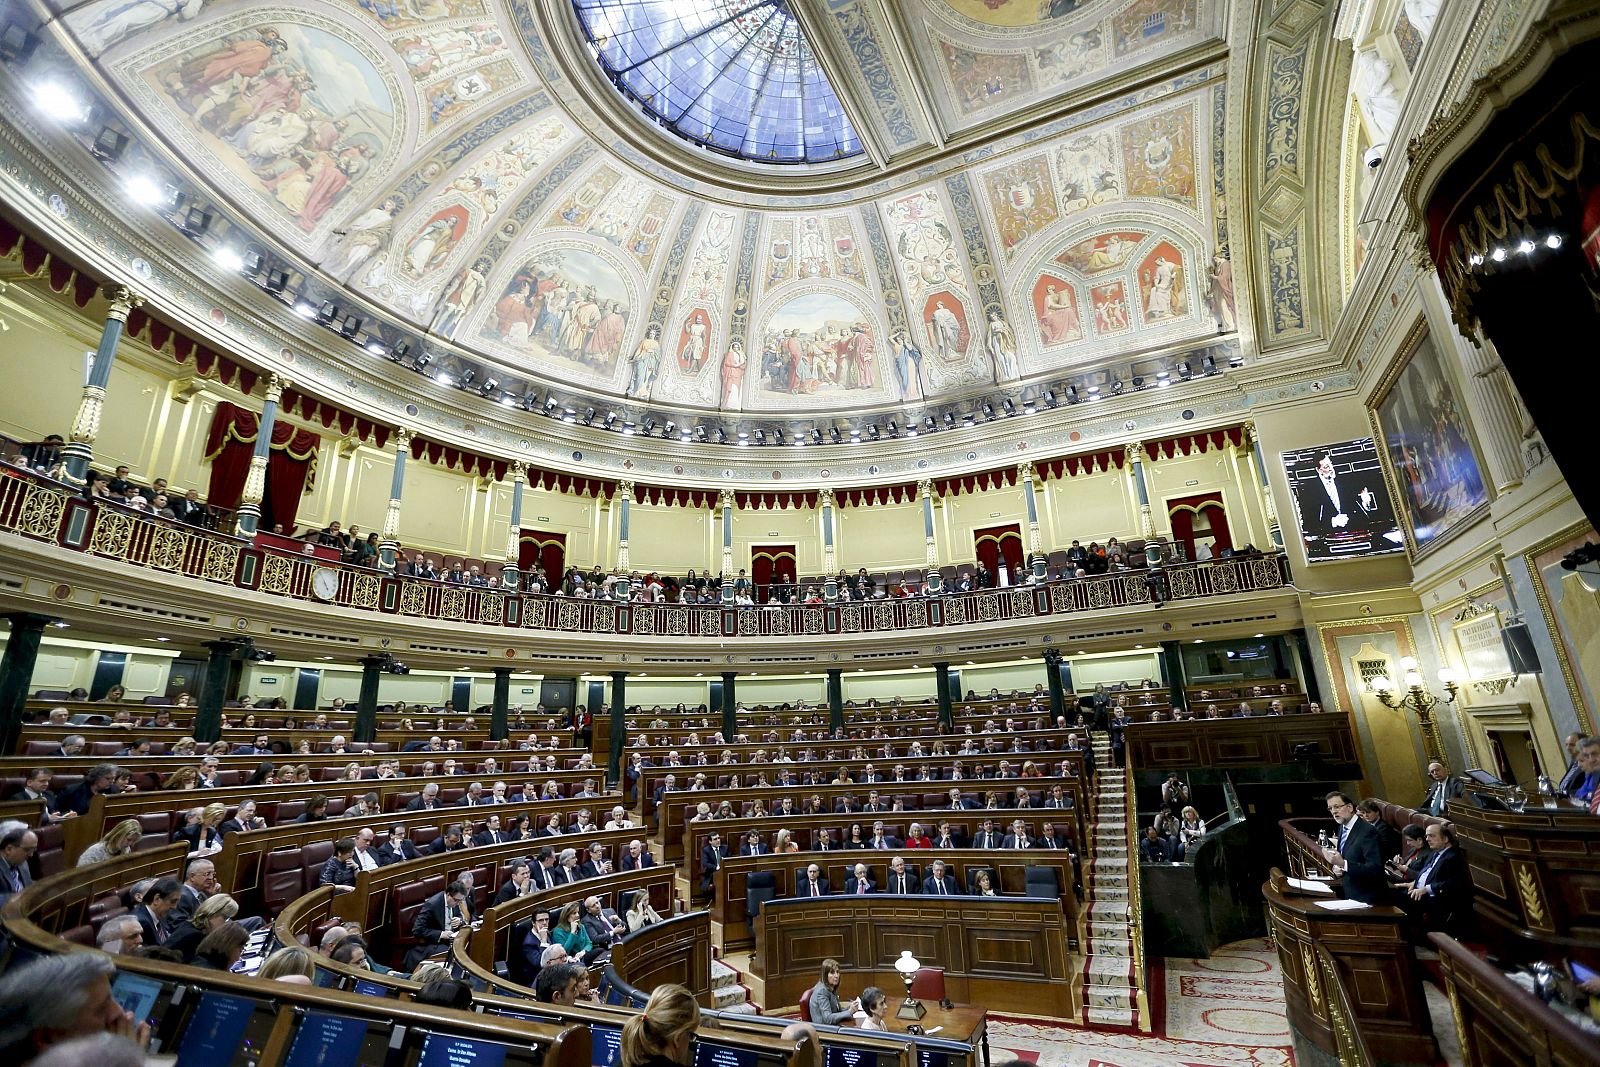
{"x": 124, "y": 572}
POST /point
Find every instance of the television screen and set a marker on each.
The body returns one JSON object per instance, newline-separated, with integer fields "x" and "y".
{"x": 326, "y": 979}
{"x": 607, "y": 1045}
{"x": 712, "y": 1054}
{"x": 137, "y": 994}
{"x": 334, "y": 1041}
{"x": 224, "y": 1030}
{"x": 447, "y": 1050}
{"x": 841, "y": 1056}
{"x": 927, "y": 1057}
{"x": 1342, "y": 502}
{"x": 372, "y": 989}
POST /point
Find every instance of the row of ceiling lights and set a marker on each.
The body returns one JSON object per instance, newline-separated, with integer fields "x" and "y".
{"x": 194, "y": 220}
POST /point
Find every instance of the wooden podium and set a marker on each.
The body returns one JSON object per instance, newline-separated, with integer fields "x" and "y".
{"x": 1373, "y": 962}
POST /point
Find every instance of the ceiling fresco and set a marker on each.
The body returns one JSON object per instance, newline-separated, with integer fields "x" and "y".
{"x": 416, "y": 152}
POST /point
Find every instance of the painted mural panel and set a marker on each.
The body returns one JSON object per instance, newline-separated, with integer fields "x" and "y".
{"x": 1438, "y": 482}
{"x": 1023, "y": 199}
{"x": 924, "y": 243}
{"x": 1158, "y": 156}
{"x": 818, "y": 344}
{"x": 1101, "y": 253}
{"x": 404, "y": 14}
{"x": 946, "y": 319}
{"x": 1163, "y": 284}
{"x": 567, "y": 304}
{"x": 1570, "y": 601}
{"x": 1110, "y": 308}
{"x": 280, "y": 105}
{"x": 1055, "y": 306}
{"x": 1013, "y": 12}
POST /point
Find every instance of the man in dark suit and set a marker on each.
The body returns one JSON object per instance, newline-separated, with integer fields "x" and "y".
{"x": 1441, "y": 895}
{"x": 948, "y": 837}
{"x": 448, "y": 841}
{"x": 398, "y": 848}
{"x": 753, "y": 845}
{"x": 519, "y": 884}
{"x": 988, "y": 837}
{"x": 939, "y": 883}
{"x": 1442, "y": 786}
{"x": 602, "y": 930}
{"x": 637, "y": 857}
{"x": 18, "y": 843}
{"x": 824, "y": 842}
{"x": 544, "y": 871}
{"x": 1571, "y": 781}
{"x": 596, "y": 865}
{"x": 1355, "y": 856}
{"x": 155, "y": 908}
{"x": 491, "y": 834}
{"x": 1371, "y": 813}
{"x": 812, "y": 884}
{"x": 200, "y": 881}
{"x": 882, "y": 840}
{"x": 1050, "y": 837}
{"x": 711, "y": 856}
{"x": 901, "y": 880}
{"x": 98, "y": 779}
{"x": 427, "y": 800}
{"x": 860, "y": 882}
{"x": 438, "y": 921}
{"x": 1018, "y": 837}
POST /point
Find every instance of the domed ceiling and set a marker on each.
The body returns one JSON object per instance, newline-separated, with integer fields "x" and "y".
{"x": 997, "y": 190}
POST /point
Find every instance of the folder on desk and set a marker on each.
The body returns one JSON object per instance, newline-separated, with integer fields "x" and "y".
{"x": 1305, "y": 885}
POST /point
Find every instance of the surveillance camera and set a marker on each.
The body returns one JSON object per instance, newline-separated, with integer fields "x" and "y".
{"x": 1374, "y": 157}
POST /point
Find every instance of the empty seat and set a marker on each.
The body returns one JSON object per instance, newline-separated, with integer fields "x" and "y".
{"x": 282, "y": 879}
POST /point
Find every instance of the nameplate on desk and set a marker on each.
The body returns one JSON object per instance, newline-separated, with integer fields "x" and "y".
{"x": 1305, "y": 885}
{"x": 1342, "y": 905}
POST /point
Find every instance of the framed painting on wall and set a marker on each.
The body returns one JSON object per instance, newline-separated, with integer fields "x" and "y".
{"x": 1436, "y": 479}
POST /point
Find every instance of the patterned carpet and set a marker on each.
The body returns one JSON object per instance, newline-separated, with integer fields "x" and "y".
{"x": 1226, "y": 1011}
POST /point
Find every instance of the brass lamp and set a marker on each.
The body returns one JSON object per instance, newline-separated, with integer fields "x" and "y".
{"x": 1417, "y": 697}
{"x": 908, "y": 966}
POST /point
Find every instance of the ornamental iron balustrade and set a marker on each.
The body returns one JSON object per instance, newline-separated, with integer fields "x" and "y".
{"x": 37, "y": 508}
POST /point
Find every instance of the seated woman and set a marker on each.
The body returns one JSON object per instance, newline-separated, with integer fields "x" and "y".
{"x": 213, "y": 913}
{"x": 119, "y": 841}
{"x": 570, "y": 934}
{"x": 1191, "y": 830}
{"x": 874, "y": 1006}
{"x": 826, "y": 1009}
{"x": 983, "y": 885}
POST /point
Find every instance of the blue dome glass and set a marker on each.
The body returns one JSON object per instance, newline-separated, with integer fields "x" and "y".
{"x": 736, "y": 76}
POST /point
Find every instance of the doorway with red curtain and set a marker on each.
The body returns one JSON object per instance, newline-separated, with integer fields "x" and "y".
{"x": 291, "y": 464}
{"x": 771, "y": 563}
{"x": 543, "y": 549}
{"x": 1200, "y": 520}
{"x": 997, "y": 545}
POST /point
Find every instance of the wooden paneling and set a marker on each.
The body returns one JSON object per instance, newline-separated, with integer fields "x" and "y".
{"x": 1006, "y": 954}
{"x": 1502, "y": 1025}
{"x": 678, "y": 950}
{"x": 1259, "y": 741}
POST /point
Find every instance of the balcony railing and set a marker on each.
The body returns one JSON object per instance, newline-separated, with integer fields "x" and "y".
{"x": 43, "y": 510}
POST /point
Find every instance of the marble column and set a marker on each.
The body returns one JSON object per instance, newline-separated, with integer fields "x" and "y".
{"x": 623, "y": 502}
{"x": 725, "y": 502}
{"x": 500, "y": 710}
{"x": 511, "y": 573}
{"x": 619, "y": 726}
{"x": 248, "y": 518}
{"x": 947, "y": 712}
{"x": 389, "y": 539}
{"x": 835, "y": 699}
{"x": 830, "y": 579}
{"x": 1274, "y": 526}
{"x": 1495, "y": 414}
{"x": 79, "y": 449}
{"x": 1147, "y": 524}
{"x": 372, "y": 670}
{"x": 214, "y": 690}
{"x": 1038, "y": 562}
{"x": 16, "y": 672}
{"x": 930, "y": 540}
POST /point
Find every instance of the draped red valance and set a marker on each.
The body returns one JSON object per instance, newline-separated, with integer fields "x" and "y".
{"x": 674, "y": 496}
{"x": 291, "y": 464}
{"x": 331, "y": 415}
{"x": 35, "y": 258}
{"x": 441, "y": 455}
{"x": 780, "y": 501}
{"x": 1194, "y": 443}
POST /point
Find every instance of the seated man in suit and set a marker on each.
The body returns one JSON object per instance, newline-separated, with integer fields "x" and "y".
{"x": 18, "y": 843}
{"x": 1442, "y": 786}
{"x": 988, "y": 837}
{"x": 812, "y": 883}
{"x": 1371, "y": 813}
{"x": 939, "y": 883}
{"x": 427, "y": 800}
{"x": 1441, "y": 895}
{"x": 1050, "y": 837}
{"x": 637, "y": 857}
{"x": 450, "y": 840}
{"x": 596, "y": 866}
{"x": 948, "y": 837}
{"x": 537, "y": 941}
{"x": 398, "y": 848}
{"x": 753, "y": 845}
{"x": 1355, "y": 856}
{"x": 438, "y": 921}
{"x": 860, "y": 882}
{"x": 881, "y": 839}
{"x": 900, "y": 879}
{"x": 520, "y": 884}
{"x": 711, "y": 856}
{"x": 1018, "y": 837}
{"x": 491, "y": 834}
{"x": 602, "y": 930}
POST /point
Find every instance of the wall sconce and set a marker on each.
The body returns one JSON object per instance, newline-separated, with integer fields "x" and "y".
{"x": 1417, "y": 697}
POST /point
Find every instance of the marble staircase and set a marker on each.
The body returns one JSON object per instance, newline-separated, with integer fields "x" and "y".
{"x": 1109, "y": 983}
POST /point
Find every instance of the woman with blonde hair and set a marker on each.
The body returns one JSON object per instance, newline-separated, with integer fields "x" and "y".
{"x": 218, "y": 748}
{"x": 569, "y": 933}
{"x": 119, "y": 841}
{"x": 213, "y": 913}
{"x": 183, "y": 746}
{"x": 780, "y": 842}
{"x": 663, "y": 1034}
{"x": 294, "y": 964}
{"x": 182, "y": 778}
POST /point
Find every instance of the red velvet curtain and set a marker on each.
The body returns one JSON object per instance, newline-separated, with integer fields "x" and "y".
{"x": 771, "y": 563}
{"x": 996, "y": 545}
{"x": 547, "y": 550}
{"x": 1185, "y": 513}
{"x": 291, "y": 464}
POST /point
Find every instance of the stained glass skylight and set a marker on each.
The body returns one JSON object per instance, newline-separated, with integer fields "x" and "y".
{"x": 736, "y": 76}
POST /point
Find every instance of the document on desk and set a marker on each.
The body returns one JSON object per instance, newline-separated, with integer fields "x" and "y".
{"x": 1306, "y": 886}
{"x": 1342, "y": 905}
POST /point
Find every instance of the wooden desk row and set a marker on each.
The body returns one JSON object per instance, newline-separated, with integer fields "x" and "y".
{"x": 1264, "y": 741}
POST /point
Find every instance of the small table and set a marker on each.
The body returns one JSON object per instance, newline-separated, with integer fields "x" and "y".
{"x": 962, "y": 1023}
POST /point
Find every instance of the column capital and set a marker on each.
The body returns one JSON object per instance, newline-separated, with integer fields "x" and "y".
{"x": 517, "y": 471}
{"x": 726, "y": 499}
{"x": 625, "y": 491}
{"x": 825, "y": 497}
{"x": 1025, "y": 470}
{"x": 402, "y": 439}
{"x": 1134, "y": 451}
{"x": 276, "y": 384}
{"x": 925, "y": 488}
{"x": 1251, "y": 434}
{"x": 28, "y": 620}
{"x": 123, "y": 300}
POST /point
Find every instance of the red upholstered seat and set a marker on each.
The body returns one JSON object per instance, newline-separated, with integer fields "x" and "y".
{"x": 282, "y": 879}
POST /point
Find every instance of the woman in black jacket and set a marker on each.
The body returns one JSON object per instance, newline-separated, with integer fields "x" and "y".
{"x": 214, "y": 912}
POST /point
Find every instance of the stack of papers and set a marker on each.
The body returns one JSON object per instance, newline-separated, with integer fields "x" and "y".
{"x": 1342, "y": 905}
{"x": 1306, "y": 886}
